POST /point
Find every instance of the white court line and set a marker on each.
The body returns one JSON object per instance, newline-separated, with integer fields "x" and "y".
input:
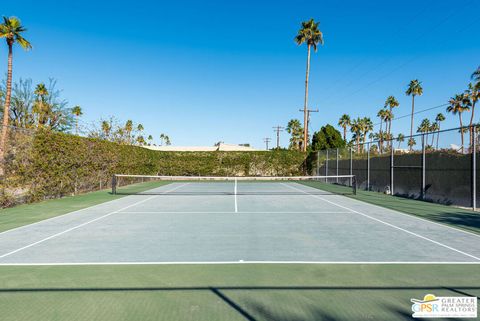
{"x": 388, "y": 224}
{"x": 83, "y": 224}
{"x": 230, "y": 212}
{"x": 247, "y": 262}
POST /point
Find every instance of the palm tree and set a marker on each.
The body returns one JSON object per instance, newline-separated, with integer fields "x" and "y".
{"x": 473, "y": 94}
{"x": 164, "y": 139}
{"x": 356, "y": 129}
{"x": 400, "y": 139}
{"x": 424, "y": 128}
{"x": 391, "y": 103}
{"x": 344, "y": 122}
{"x": 312, "y": 36}
{"x": 458, "y": 105}
{"x": 440, "y": 117}
{"x": 128, "y": 130}
{"x": 294, "y": 128}
{"x": 106, "y": 128}
{"x": 77, "y": 112}
{"x": 41, "y": 107}
{"x": 414, "y": 89}
{"x": 434, "y": 127}
{"x": 476, "y": 77}
{"x": 11, "y": 29}
{"x": 381, "y": 114}
{"x": 150, "y": 138}
{"x": 366, "y": 126}
{"x": 140, "y": 128}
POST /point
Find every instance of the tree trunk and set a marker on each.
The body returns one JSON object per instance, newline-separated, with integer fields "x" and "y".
{"x": 411, "y": 120}
{"x": 433, "y": 137}
{"x": 461, "y": 129}
{"x": 345, "y": 133}
{"x": 76, "y": 126}
{"x": 6, "y": 110}
{"x": 438, "y": 134}
{"x": 305, "y": 105}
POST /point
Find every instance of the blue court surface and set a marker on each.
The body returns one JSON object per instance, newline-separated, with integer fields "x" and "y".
{"x": 206, "y": 222}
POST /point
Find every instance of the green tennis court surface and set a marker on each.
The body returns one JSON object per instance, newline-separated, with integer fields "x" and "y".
{"x": 198, "y": 251}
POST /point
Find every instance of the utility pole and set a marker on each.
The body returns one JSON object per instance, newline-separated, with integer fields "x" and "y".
{"x": 278, "y": 129}
{"x": 266, "y": 140}
{"x": 305, "y": 124}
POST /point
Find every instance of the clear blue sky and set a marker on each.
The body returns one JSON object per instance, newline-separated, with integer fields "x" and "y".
{"x": 219, "y": 70}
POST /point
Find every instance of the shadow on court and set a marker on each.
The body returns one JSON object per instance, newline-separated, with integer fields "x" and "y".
{"x": 291, "y": 303}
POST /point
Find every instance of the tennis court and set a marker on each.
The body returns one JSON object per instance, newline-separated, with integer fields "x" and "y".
{"x": 195, "y": 221}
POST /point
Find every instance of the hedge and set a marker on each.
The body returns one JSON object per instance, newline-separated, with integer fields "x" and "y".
{"x": 45, "y": 164}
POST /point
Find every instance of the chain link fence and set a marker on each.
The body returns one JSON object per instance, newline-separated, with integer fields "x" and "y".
{"x": 438, "y": 167}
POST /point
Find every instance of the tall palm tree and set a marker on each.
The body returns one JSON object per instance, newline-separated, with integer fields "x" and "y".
{"x": 381, "y": 114}
{"x": 356, "y": 129}
{"x": 458, "y": 105}
{"x": 344, "y": 122}
{"x": 366, "y": 126}
{"x": 294, "y": 128}
{"x": 128, "y": 130}
{"x": 473, "y": 94}
{"x": 11, "y": 29}
{"x": 165, "y": 139}
{"x": 400, "y": 139}
{"x": 414, "y": 89}
{"x": 312, "y": 36}
{"x": 434, "y": 128}
{"x": 391, "y": 103}
{"x": 440, "y": 117}
{"x": 106, "y": 128}
{"x": 424, "y": 128}
{"x": 77, "y": 112}
{"x": 41, "y": 107}
{"x": 476, "y": 77}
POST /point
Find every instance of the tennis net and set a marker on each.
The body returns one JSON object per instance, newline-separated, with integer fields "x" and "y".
{"x": 216, "y": 185}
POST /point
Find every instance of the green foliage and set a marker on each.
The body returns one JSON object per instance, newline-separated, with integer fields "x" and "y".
{"x": 327, "y": 137}
{"x": 46, "y": 164}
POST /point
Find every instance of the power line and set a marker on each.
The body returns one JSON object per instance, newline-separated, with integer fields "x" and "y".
{"x": 267, "y": 140}
{"x": 305, "y": 129}
{"x": 422, "y": 35}
{"x": 278, "y": 129}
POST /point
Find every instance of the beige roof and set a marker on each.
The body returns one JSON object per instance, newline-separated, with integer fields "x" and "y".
{"x": 221, "y": 147}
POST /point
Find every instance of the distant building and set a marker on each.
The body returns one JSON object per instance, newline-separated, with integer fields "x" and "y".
{"x": 218, "y": 147}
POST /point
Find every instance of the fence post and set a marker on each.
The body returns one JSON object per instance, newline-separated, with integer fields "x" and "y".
{"x": 326, "y": 165}
{"x": 368, "y": 166}
{"x": 351, "y": 164}
{"x": 392, "y": 155}
{"x": 474, "y": 169}
{"x": 318, "y": 163}
{"x": 423, "y": 168}
{"x": 337, "y": 165}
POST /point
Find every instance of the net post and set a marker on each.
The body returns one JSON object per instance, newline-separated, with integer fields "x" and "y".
{"x": 423, "y": 167}
{"x": 474, "y": 168}
{"x": 114, "y": 184}
{"x": 392, "y": 155}
{"x": 354, "y": 185}
{"x": 318, "y": 163}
